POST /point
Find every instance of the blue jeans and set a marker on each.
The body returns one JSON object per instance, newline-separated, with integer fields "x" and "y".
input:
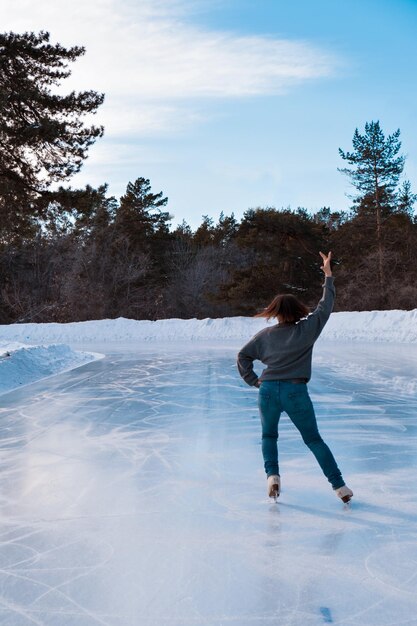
{"x": 276, "y": 396}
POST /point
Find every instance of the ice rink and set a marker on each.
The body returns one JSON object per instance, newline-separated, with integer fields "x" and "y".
{"x": 132, "y": 493}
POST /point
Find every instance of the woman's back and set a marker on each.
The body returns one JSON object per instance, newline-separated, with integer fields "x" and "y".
{"x": 287, "y": 349}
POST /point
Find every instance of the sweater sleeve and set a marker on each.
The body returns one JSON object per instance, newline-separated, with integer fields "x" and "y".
{"x": 315, "y": 322}
{"x": 245, "y": 360}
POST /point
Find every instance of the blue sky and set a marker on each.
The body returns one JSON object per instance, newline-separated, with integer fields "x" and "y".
{"x": 231, "y": 104}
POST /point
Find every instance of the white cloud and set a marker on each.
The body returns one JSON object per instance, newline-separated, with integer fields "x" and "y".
{"x": 123, "y": 117}
{"x": 154, "y": 66}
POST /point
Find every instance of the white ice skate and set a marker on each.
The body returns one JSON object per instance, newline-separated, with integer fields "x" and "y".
{"x": 274, "y": 486}
{"x": 344, "y": 493}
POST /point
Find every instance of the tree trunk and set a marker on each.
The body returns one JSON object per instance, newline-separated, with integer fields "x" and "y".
{"x": 381, "y": 276}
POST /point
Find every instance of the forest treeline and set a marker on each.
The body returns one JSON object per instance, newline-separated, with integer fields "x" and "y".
{"x": 77, "y": 254}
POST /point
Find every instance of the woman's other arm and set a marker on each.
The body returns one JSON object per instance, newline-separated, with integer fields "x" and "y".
{"x": 245, "y": 360}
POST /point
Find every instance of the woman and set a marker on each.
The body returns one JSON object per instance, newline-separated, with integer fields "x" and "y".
{"x": 286, "y": 349}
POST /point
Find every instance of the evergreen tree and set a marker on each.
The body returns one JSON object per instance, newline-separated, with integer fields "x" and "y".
{"x": 42, "y": 135}
{"x": 183, "y": 232}
{"x": 78, "y": 211}
{"x": 276, "y": 252}
{"x": 225, "y": 229}
{"x": 376, "y": 173}
{"x": 406, "y": 199}
{"x": 205, "y": 233}
{"x": 142, "y": 236}
{"x": 139, "y": 215}
{"x": 332, "y": 220}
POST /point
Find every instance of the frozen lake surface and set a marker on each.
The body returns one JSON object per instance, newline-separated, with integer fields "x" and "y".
{"x": 132, "y": 493}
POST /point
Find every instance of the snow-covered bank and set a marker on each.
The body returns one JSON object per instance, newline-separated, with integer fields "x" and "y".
{"x": 23, "y": 364}
{"x": 32, "y": 357}
{"x": 391, "y": 326}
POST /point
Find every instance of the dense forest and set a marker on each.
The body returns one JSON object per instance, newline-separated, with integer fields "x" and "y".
{"x": 76, "y": 254}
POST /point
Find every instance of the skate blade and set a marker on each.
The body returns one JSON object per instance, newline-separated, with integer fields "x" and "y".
{"x": 274, "y": 493}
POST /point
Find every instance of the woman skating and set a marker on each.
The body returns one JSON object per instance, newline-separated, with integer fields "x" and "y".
{"x": 286, "y": 349}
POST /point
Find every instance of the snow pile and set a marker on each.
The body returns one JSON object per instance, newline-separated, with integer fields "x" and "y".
{"x": 23, "y": 364}
{"x": 386, "y": 326}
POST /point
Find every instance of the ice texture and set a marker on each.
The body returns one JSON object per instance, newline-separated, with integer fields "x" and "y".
{"x": 132, "y": 494}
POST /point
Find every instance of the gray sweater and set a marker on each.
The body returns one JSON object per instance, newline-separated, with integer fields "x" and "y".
{"x": 286, "y": 349}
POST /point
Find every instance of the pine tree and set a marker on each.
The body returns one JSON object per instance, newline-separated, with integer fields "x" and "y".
{"x": 42, "y": 135}
{"x": 142, "y": 235}
{"x": 406, "y": 199}
{"x": 139, "y": 215}
{"x": 377, "y": 170}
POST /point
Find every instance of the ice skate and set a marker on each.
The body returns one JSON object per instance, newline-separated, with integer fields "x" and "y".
{"x": 344, "y": 493}
{"x": 274, "y": 486}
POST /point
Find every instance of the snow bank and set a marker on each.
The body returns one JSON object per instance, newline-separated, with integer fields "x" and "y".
{"x": 385, "y": 326}
{"x": 26, "y": 353}
{"x": 23, "y": 364}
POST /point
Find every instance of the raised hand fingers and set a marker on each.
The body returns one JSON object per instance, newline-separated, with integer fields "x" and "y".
{"x": 324, "y": 257}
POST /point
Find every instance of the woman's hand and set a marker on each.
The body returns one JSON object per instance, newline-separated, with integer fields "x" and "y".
{"x": 326, "y": 267}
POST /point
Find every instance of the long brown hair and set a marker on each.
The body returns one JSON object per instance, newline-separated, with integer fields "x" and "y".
{"x": 287, "y": 307}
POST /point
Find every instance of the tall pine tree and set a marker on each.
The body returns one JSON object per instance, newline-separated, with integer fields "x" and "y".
{"x": 43, "y": 138}
{"x": 377, "y": 167}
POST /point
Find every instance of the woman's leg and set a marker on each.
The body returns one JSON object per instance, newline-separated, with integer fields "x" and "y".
{"x": 297, "y": 404}
{"x": 270, "y": 412}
